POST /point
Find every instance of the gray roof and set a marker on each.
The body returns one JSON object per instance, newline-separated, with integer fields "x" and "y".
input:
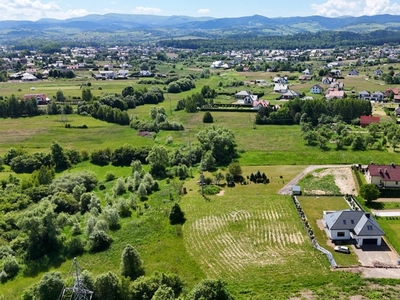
{"x": 359, "y": 222}
{"x": 343, "y": 220}
{"x": 368, "y": 227}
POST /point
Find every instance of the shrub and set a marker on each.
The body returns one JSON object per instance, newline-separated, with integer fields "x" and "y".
{"x": 110, "y": 176}
{"x": 119, "y": 187}
{"x": 176, "y": 216}
{"x": 101, "y": 157}
{"x": 131, "y": 264}
{"x": 208, "y": 118}
{"x": 75, "y": 247}
{"x": 111, "y": 215}
{"x": 99, "y": 241}
{"x": 211, "y": 189}
{"x": 10, "y": 266}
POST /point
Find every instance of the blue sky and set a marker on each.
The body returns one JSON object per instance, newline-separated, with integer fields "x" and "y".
{"x": 62, "y": 9}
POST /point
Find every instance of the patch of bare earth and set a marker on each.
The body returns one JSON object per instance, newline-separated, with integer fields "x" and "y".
{"x": 343, "y": 179}
{"x": 221, "y": 193}
{"x": 306, "y": 295}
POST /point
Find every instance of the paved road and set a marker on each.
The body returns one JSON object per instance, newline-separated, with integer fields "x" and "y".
{"x": 287, "y": 189}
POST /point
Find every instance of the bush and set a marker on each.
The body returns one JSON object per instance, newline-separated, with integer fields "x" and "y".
{"x": 131, "y": 264}
{"x": 208, "y": 118}
{"x": 211, "y": 189}
{"x": 101, "y": 157}
{"x": 99, "y": 241}
{"x": 75, "y": 247}
{"x": 10, "y": 266}
{"x": 176, "y": 216}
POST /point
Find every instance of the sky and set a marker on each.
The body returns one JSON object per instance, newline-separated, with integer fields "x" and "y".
{"x": 64, "y": 9}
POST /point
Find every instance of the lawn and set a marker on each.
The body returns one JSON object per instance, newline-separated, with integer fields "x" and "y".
{"x": 313, "y": 208}
{"x": 391, "y": 227}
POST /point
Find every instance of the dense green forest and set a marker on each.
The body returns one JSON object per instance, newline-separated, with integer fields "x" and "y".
{"x": 319, "y": 40}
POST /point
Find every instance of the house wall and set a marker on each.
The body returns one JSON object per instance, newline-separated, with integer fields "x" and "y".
{"x": 336, "y": 236}
{"x": 360, "y": 241}
{"x": 386, "y": 183}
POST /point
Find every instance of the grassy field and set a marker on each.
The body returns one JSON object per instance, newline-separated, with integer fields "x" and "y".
{"x": 248, "y": 236}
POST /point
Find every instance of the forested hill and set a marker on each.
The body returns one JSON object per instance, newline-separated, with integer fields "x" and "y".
{"x": 119, "y": 28}
{"x": 319, "y": 40}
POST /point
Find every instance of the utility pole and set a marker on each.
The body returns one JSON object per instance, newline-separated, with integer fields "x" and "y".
{"x": 78, "y": 291}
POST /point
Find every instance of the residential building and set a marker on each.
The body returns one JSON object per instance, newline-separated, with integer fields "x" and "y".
{"x": 383, "y": 175}
{"x": 316, "y": 89}
{"x": 353, "y": 224}
{"x": 366, "y": 120}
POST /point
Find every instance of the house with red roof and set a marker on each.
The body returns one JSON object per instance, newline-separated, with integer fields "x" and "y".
{"x": 40, "y": 98}
{"x": 366, "y": 120}
{"x": 383, "y": 175}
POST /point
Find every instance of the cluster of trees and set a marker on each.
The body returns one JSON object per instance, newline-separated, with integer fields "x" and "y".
{"x": 335, "y": 130}
{"x": 158, "y": 122}
{"x": 110, "y": 286}
{"x": 192, "y": 103}
{"x": 297, "y": 111}
{"x": 22, "y": 162}
{"x": 14, "y": 108}
{"x": 61, "y": 73}
{"x": 258, "y": 177}
{"x": 181, "y": 85}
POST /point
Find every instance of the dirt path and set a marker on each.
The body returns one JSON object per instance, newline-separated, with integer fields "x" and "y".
{"x": 287, "y": 189}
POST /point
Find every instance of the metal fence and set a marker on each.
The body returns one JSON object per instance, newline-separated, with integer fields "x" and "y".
{"x": 310, "y": 233}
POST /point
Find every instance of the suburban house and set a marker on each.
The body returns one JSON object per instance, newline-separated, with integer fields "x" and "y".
{"x": 290, "y": 94}
{"x": 383, "y": 175}
{"x": 376, "y": 96}
{"x": 335, "y": 73}
{"x": 396, "y": 98}
{"x": 363, "y": 95}
{"x": 260, "y": 103}
{"x": 353, "y": 73}
{"x": 334, "y": 94}
{"x": 281, "y": 80}
{"x": 316, "y": 89}
{"x": 353, "y": 224}
{"x": 337, "y": 85}
{"x": 105, "y": 75}
{"x": 280, "y": 88}
{"x": 305, "y": 77}
{"x": 28, "y": 77}
{"x": 327, "y": 80}
{"x": 366, "y": 120}
{"x": 388, "y": 92}
{"x": 123, "y": 73}
{"x": 40, "y": 98}
{"x": 307, "y": 72}
{"x": 245, "y": 97}
{"x": 397, "y": 111}
{"x": 378, "y": 72}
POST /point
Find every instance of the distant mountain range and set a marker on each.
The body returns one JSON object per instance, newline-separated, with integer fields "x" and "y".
{"x": 150, "y": 27}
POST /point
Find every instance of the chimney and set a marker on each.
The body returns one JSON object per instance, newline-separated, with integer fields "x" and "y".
{"x": 386, "y": 171}
{"x": 380, "y": 170}
{"x": 368, "y": 215}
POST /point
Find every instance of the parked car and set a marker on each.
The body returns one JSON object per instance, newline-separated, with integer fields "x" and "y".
{"x": 343, "y": 249}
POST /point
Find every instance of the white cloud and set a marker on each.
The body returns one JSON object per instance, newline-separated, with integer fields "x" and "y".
{"x": 147, "y": 10}
{"x": 204, "y": 11}
{"x": 334, "y": 8}
{"x": 34, "y": 10}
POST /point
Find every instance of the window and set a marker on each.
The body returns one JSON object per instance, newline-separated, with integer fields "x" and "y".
{"x": 352, "y": 222}
{"x": 397, "y": 183}
{"x": 341, "y": 234}
{"x": 369, "y": 227}
{"x": 344, "y": 222}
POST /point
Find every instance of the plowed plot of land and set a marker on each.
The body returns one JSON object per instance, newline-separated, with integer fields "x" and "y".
{"x": 249, "y": 233}
{"x": 239, "y": 239}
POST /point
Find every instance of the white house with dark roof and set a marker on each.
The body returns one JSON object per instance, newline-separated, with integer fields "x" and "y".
{"x": 353, "y": 224}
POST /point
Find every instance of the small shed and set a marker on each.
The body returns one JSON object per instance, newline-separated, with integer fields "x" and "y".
{"x": 296, "y": 190}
